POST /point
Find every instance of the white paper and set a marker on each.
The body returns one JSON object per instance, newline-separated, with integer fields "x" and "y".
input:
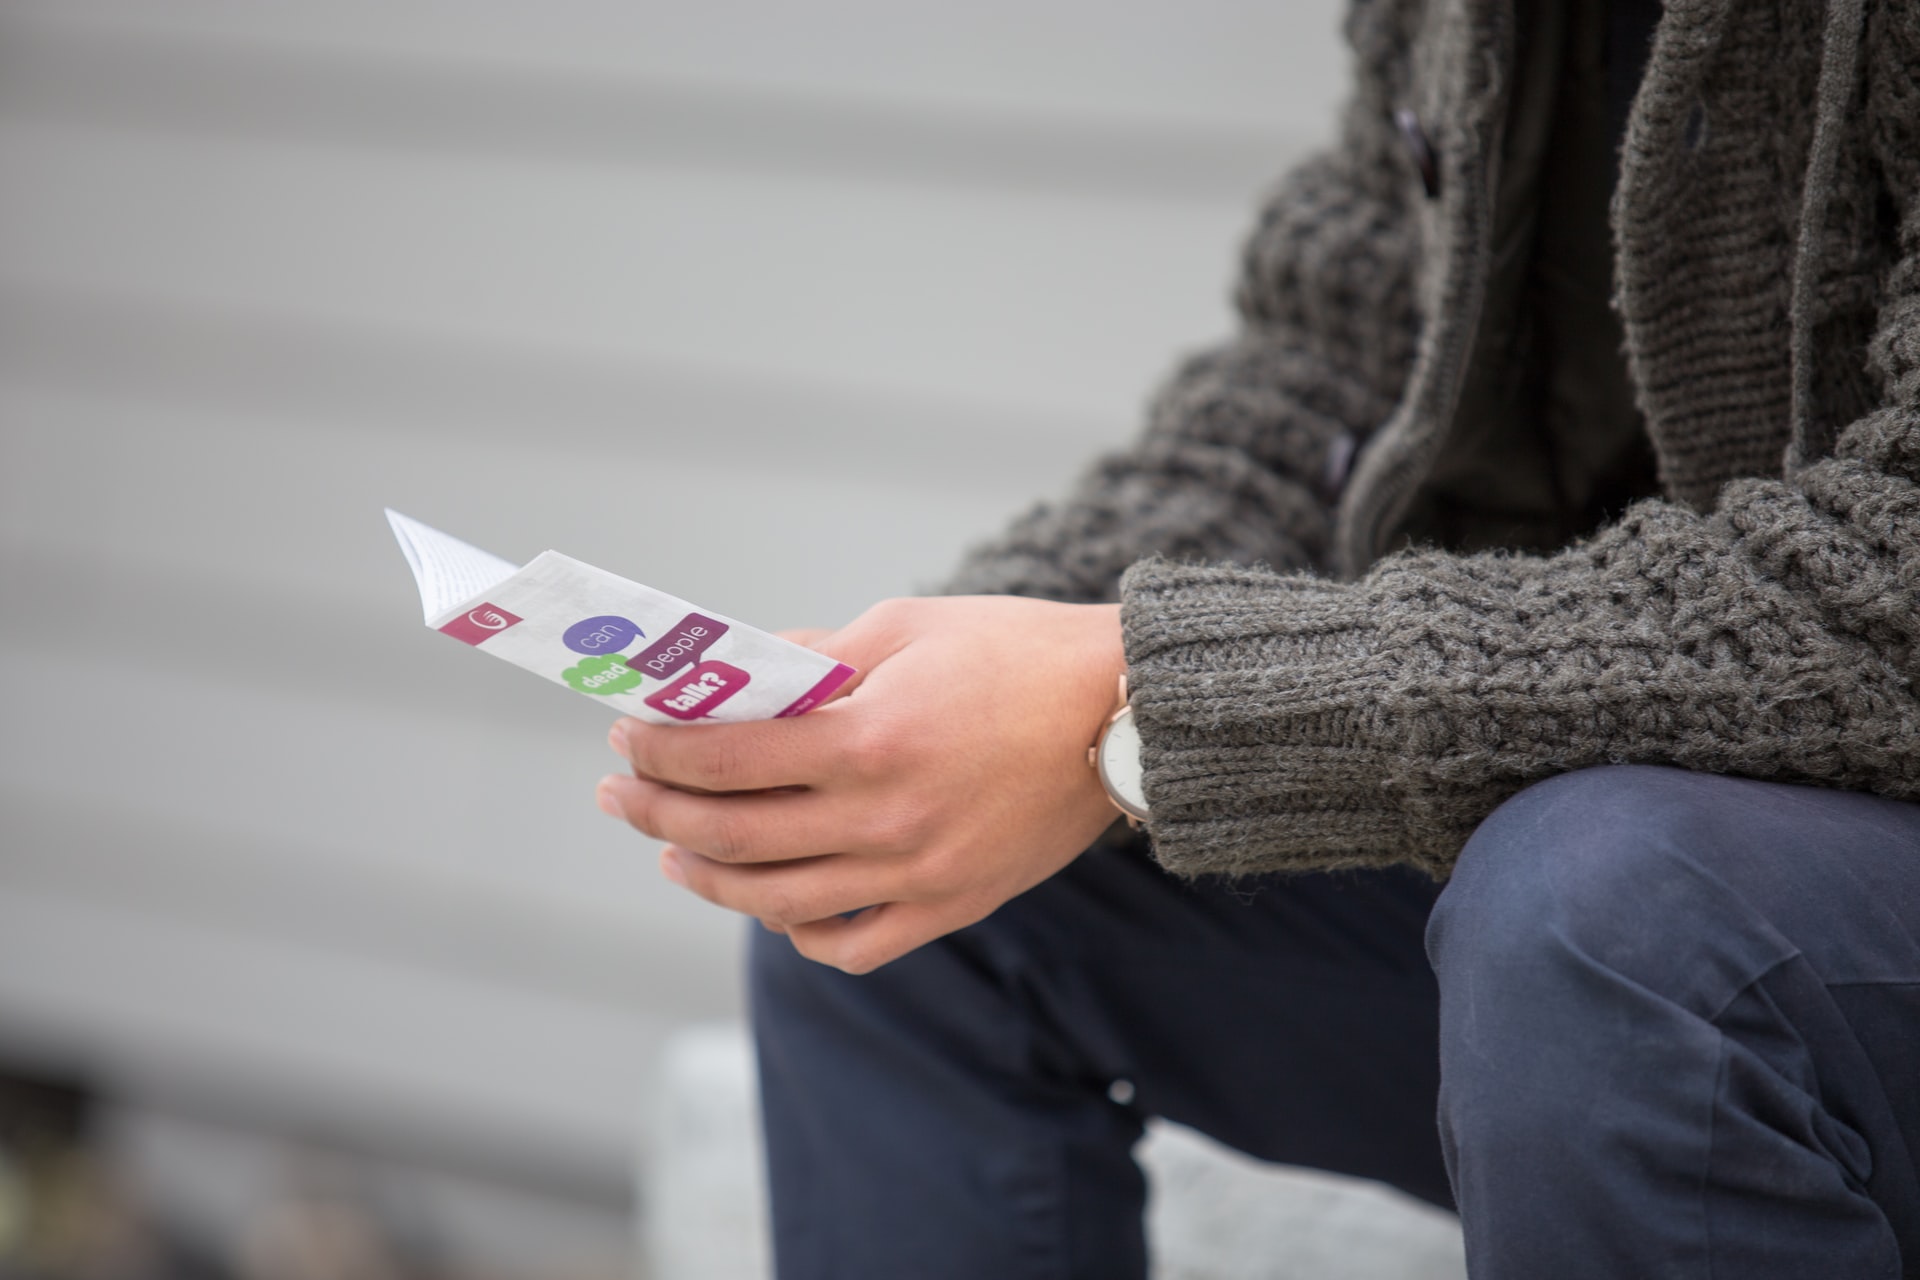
{"x": 446, "y": 570}
{"x": 642, "y": 652}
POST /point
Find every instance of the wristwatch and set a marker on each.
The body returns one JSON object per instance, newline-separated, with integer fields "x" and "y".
{"x": 1115, "y": 756}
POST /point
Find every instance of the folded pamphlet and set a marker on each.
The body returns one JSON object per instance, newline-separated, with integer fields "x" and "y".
{"x": 643, "y": 652}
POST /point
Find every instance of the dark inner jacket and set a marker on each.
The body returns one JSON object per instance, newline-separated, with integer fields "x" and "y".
{"x": 1546, "y": 444}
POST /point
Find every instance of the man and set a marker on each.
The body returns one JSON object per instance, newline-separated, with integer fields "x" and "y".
{"x": 1416, "y": 575}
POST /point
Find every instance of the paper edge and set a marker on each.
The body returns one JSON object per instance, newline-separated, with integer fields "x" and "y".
{"x": 403, "y": 526}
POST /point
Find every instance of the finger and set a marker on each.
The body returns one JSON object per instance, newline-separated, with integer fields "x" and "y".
{"x": 862, "y": 943}
{"x": 789, "y": 893}
{"x": 755, "y": 827}
{"x": 796, "y": 751}
{"x": 763, "y": 754}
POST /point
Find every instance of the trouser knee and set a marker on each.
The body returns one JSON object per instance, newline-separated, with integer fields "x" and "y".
{"x": 1583, "y": 911}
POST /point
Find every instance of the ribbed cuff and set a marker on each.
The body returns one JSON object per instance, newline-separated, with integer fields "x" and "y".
{"x": 1271, "y": 732}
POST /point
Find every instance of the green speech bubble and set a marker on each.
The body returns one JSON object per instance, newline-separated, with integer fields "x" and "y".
{"x": 601, "y": 676}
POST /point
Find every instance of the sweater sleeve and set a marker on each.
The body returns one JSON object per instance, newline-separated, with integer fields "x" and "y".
{"x": 1243, "y": 448}
{"x": 1294, "y": 723}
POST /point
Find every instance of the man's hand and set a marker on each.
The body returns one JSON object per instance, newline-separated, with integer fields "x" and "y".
{"x": 953, "y": 777}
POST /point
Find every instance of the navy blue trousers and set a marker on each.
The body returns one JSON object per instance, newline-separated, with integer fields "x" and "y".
{"x": 1657, "y": 1024}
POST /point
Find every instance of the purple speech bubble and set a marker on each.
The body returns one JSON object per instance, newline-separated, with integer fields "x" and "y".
{"x": 683, "y": 643}
{"x": 599, "y": 637}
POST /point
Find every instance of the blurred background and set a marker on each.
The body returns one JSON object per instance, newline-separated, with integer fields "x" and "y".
{"x": 315, "y": 956}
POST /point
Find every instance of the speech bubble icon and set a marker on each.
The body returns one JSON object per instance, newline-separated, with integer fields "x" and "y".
{"x": 602, "y": 676}
{"x": 598, "y": 637}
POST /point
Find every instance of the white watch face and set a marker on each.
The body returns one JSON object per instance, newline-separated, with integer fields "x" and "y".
{"x": 1120, "y": 767}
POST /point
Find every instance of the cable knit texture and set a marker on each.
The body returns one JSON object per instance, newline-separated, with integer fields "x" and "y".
{"x": 1763, "y": 619}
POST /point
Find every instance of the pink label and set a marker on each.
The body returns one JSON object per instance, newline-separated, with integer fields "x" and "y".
{"x": 828, "y": 686}
{"x": 682, "y": 644}
{"x": 699, "y": 691}
{"x": 480, "y": 624}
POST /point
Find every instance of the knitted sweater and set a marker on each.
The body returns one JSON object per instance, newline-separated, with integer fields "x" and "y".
{"x": 1311, "y": 696}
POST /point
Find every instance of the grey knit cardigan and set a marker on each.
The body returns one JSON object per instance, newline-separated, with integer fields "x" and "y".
{"x": 1310, "y": 697}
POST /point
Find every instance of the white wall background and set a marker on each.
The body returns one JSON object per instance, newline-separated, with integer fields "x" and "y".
{"x": 525, "y": 271}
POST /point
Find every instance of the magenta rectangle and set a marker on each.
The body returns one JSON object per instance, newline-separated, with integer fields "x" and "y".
{"x": 480, "y": 624}
{"x": 813, "y": 697}
{"x": 699, "y": 691}
{"x": 681, "y": 646}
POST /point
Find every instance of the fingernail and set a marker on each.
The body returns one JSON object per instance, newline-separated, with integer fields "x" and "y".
{"x": 604, "y": 797}
{"x": 670, "y": 867}
{"x": 617, "y": 739}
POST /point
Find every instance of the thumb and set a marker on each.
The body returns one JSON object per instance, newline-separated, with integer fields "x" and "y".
{"x": 805, "y": 637}
{"x": 875, "y": 636}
